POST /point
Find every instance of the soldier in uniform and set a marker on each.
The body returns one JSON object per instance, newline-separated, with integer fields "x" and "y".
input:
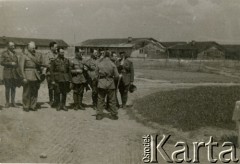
{"x": 29, "y": 65}
{"x": 78, "y": 81}
{"x": 106, "y": 72}
{"x": 90, "y": 66}
{"x": 51, "y": 55}
{"x": 9, "y": 60}
{"x": 60, "y": 72}
{"x": 114, "y": 57}
{"x": 125, "y": 69}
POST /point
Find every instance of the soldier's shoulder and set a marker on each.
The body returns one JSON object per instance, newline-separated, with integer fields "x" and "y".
{"x": 55, "y": 60}
{"x": 5, "y": 52}
{"x": 48, "y": 53}
{"x": 39, "y": 54}
{"x": 128, "y": 60}
{"x": 88, "y": 60}
{"x": 110, "y": 62}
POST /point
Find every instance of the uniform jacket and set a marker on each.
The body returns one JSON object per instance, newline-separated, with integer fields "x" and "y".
{"x": 48, "y": 57}
{"x": 60, "y": 70}
{"x": 106, "y": 72}
{"x": 9, "y": 71}
{"x": 126, "y": 70}
{"x": 77, "y": 71}
{"x": 91, "y": 65}
{"x": 29, "y": 66}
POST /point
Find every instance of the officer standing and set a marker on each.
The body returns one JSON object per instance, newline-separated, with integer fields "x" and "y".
{"x": 115, "y": 60}
{"x": 9, "y": 61}
{"x": 114, "y": 57}
{"x": 106, "y": 72}
{"x": 60, "y": 73}
{"x": 51, "y": 55}
{"x": 78, "y": 81}
{"x": 90, "y": 66}
{"x": 125, "y": 69}
{"x": 29, "y": 64}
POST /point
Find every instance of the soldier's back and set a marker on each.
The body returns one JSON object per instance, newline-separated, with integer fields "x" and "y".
{"x": 106, "y": 67}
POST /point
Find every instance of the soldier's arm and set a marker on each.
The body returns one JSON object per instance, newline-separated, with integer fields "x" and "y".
{"x": 51, "y": 69}
{"x": 72, "y": 68}
{"x": 97, "y": 72}
{"x": 76, "y": 71}
{"x": 92, "y": 66}
{"x": 42, "y": 60}
{"x": 116, "y": 74}
{"x": 3, "y": 61}
{"x": 86, "y": 65}
{"x": 42, "y": 66}
{"x": 119, "y": 66}
{"x": 131, "y": 72}
{"x": 70, "y": 65}
{"x": 45, "y": 60}
{"x": 21, "y": 66}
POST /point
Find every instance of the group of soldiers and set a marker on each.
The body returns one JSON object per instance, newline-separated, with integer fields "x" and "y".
{"x": 104, "y": 73}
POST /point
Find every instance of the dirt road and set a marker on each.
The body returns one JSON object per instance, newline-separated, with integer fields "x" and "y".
{"x": 74, "y": 136}
{"x": 68, "y": 137}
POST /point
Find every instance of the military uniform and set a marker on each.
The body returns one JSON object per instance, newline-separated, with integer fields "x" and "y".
{"x": 115, "y": 61}
{"x": 78, "y": 82}
{"x": 127, "y": 71}
{"x": 91, "y": 65}
{"x": 60, "y": 74}
{"x": 29, "y": 65}
{"x": 48, "y": 58}
{"x": 9, "y": 60}
{"x": 106, "y": 72}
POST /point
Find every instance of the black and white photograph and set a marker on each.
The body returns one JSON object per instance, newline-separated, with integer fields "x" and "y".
{"x": 119, "y": 81}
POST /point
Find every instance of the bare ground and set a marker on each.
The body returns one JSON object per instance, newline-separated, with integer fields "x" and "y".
{"x": 75, "y": 136}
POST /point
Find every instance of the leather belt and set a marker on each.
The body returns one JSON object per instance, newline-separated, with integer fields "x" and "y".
{"x": 105, "y": 77}
{"x": 30, "y": 68}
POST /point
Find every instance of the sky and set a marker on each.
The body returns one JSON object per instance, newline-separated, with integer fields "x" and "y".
{"x": 165, "y": 20}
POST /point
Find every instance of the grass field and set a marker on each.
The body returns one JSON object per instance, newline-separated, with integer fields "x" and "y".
{"x": 190, "y": 109}
{"x": 188, "y": 71}
{"x": 175, "y": 76}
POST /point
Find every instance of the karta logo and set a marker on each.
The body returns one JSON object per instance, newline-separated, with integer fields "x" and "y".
{"x": 153, "y": 148}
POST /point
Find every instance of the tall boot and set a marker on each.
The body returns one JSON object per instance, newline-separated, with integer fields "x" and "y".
{"x": 80, "y": 106}
{"x": 58, "y": 103}
{"x": 50, "y": 94}
{"x": 124, "y": 100}
{"x": 64, "y": 97}
{"x": 7, "y": 96}
{"x": 75, "y": 99}
{"x": 13, "y": 93}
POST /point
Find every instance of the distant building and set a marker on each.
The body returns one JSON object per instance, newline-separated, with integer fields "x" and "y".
{"x": 135, "y": 47}
{"x": 232, "y": 51}
{"x": 171, "y": 44}
{"x": 21, "y": 43}
{"x": 197, "y": 50}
